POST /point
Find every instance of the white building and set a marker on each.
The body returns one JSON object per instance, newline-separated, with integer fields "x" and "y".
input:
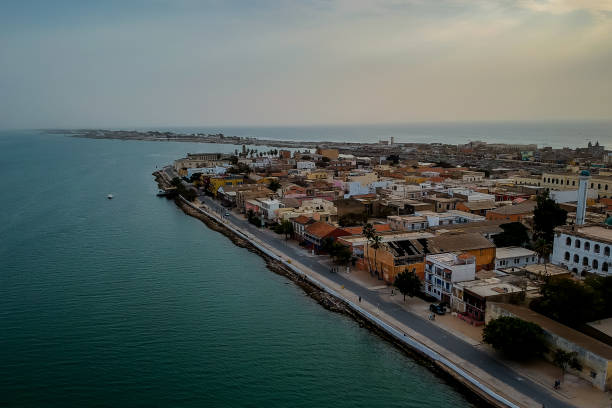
{"x": 443, "y": 270}
{"x": 450, "y": 217}
{"x": 584, "y": 249}
{"x": 269, "y": 207}
{"x": 514, "y": 256}
{"x": 209, "y": 171}
{"x": 305, "y": 165}
{"x": 407, "y": 222}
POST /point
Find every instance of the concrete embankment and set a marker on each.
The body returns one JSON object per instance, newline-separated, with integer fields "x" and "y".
{"x": 471, "y": 387}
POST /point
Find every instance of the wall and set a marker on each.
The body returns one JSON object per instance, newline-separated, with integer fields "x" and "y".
{"x": 590, "y": 361}
{"x": 560, "y": 247}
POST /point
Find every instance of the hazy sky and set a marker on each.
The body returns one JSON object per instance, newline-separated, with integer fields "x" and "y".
{"x": 221, "y": 62}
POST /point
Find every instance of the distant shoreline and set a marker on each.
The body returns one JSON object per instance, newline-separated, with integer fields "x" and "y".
{"x": 219, "y": 138}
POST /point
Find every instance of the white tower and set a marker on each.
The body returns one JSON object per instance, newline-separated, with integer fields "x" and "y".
{"x": 582, "y": 197}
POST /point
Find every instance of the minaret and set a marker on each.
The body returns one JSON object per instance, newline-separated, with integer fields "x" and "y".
{"x": 582, "y": 197}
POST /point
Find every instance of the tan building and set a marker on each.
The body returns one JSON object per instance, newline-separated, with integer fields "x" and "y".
{"x": 570, "y": 181}
{"x": 331, "y": 154}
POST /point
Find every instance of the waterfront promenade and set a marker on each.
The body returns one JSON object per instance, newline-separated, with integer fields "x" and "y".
{"x": 499, "y": 377}
{"x": 459, "y": 350}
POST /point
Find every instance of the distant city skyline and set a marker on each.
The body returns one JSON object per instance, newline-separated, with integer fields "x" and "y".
{"x": 247, "y": 63}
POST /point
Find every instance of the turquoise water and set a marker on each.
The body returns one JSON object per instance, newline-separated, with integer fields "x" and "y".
{"x": 130, "y": 303}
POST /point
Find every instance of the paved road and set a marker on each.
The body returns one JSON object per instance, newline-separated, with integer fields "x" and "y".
{"x": 443, "y": 338}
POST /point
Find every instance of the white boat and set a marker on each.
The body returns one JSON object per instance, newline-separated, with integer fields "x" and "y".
{"x": 110, "y": 196}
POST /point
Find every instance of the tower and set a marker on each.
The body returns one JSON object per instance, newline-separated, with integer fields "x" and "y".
{"x": 582, "y": 197}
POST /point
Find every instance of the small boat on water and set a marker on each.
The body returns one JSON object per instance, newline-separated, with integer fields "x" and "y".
{"x": 110, "y": 196}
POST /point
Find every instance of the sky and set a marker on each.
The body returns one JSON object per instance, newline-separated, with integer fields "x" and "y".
{"x": 117, "y": 63}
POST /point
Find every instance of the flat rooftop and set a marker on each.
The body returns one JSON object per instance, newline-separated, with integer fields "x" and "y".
{"x": 604, "y": 326}
{"x": 513, "y": 252}
{"x": 489, "y": 287}
{"x": 387, "y": 237}
{"x": 593, "y": 232}
{"x": 451, "y": 259}
{"x": 546, "y": 269}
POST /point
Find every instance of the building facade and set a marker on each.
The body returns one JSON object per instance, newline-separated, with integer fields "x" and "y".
{"x": 584, "y": 249}
{"x": 443, "y": 270}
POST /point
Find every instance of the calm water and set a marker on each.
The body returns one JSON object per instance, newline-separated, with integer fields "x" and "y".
{"x": 130, "y": 303}
{"x": 556, "y": 134}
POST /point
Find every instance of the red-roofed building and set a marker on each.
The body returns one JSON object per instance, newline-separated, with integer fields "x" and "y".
{"x": 359, "y": 230}
{"x": 299, "y": 225}
{"x": 315, "y": 233}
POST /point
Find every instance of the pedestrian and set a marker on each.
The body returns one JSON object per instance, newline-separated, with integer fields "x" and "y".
{"x": 557, "y": 384}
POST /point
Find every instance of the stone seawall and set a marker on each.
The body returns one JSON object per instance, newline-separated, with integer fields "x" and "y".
{"x": 327, "y": 298}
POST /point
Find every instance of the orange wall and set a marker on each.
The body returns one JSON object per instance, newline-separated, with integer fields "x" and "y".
{"x": 384, "y": 263}
{"x": 509, "y": 218}
{"x": 485, "y": 258}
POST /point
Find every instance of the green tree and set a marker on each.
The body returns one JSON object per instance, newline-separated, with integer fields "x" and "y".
{"x": 393, "y": 158}
{"x": 515, "y": 234}
{"x": 547, "y": 215}
{"x": 543, "y": 249}
{"x": 567, "y": 301}
{"x": 515, "y": 337}
{"x": 565, "y": 359}
{"x": 274, "y": 185}
{"x": 287, "y": 228}
{"x": 408, "y": 283}
{"x": 602, "y": 285}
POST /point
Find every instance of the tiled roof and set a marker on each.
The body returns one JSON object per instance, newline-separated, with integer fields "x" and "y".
{"x": 458, "y": 242}
{"x": 522, "y": 208}
{"x": 302, "y": 219}
{"x": 480, "y": 205}
{"x": 320, "y": 229}
{"x": 359, "y": 230}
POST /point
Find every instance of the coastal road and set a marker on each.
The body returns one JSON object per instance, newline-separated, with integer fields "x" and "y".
{"x": 439, "y": 336}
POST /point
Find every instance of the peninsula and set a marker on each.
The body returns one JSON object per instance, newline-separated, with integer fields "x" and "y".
{"x": 435, "y": 257}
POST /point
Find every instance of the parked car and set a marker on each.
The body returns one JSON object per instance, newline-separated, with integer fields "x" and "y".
{"x": 437, "y": 309}
{"x": 227, "y": 214}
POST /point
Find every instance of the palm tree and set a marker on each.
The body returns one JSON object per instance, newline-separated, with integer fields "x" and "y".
{"x": 543, "y": 249}
{"x": 375, "y": 243}
{"x": 368, "y": 232}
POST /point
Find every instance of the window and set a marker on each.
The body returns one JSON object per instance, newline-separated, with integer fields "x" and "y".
{"x": 567, "y": 256}
{"x": 596, "y": 248}
{"x": 607, "y": 251}
{"x": 595, "y": 264}
{"x": 604, "y": 267}
{"x": 585, "y": 261}
{"x": 576, "y": 258}
{"x": 577, "y": 243}
{"x": 587, "y": 246}
{"x": 568, "y": 241}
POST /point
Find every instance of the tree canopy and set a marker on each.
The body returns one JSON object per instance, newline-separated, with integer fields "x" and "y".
{"x": 408, "y": 283}
{"x": 274, "y": 185}
{"x": 571, "y": 303}
{"x": 340, "y": 254}
{"x": 515, "y": 338}
{"x": 547, "y": 215}
{"x": 515, "y": 234}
